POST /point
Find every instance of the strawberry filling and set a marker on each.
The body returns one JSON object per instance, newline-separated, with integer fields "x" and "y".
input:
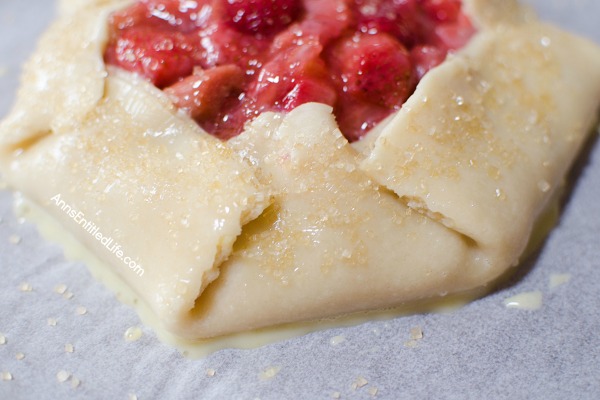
{"x": 226, "y": 61}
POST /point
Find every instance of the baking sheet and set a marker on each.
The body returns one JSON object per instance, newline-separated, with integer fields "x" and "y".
{"x": 484, "y": 350}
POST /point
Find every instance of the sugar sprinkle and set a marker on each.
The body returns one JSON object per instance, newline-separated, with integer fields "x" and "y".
{"x": 81, "y": 310}
{"x": 75, "y": 382}
{"x": 359, "y": 382}
{"x": 14, "y": 239}
{"x": 557, "y": 280}
{"x": 132, "y": 334}
{"x": 25, "y": 287}
{"x": 269, "y": 373}
{"x": 60, "y": 289}
{"x": 530, "y": 301}
{"x": 334, "y": 341}
{"x": 63, "y": 376}
{"x": 416, "y": 333}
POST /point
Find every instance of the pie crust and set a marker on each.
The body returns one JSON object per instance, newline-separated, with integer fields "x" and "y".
{"x": 288, "y": 221}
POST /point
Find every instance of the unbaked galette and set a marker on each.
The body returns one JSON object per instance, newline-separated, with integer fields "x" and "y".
{"x": 261, "y": 162}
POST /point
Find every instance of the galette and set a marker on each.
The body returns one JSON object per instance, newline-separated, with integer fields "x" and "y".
{"x": 261, "y": 162}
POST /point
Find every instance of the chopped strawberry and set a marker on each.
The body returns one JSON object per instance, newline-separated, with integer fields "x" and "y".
{"x": 454, "y": 35}
{"x": 203, "y": 93}
{"x": 159, "y": 56}
{"x": 399, "y": 18}
{"x": 326, "y": 19}
{"x": 426, "y": 57}
{"x": 293, "y": 61}
{"x": 226, "y": 61}
{"x": 226, "y": 45}
{"x": 376, "y": 68}
{"x": 181, "y": 15}
{"x": 309, "y": 90}
{"x": 357, "y": 117}
{"x": 442, "y": 10}
{"x": 262, "y": 16}
{"x": 135, "y": 15}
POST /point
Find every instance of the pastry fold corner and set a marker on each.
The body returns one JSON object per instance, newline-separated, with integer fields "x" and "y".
{"x": 135, "y": 180}
{"x": 485, "y": 154}
{"x": 288, "y": 221}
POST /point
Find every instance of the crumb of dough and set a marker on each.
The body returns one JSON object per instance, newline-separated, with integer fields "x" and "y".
{"x": 2, "y": 339}
{"x": 411, "y": 344}
{"x": 373, "y": 391}
{"x": 25, "y": 287}
{"x": 14, "y": 239}
{"x": 6, "y": 376}
{"x": 132, "y": 396}
{"x": 51, "y": 322}
{"x": 269, "y": 373}
{"x": 68, "y": 295}
{"x": 69, "y": 348}
{"x": 336, "y": 395}
{"x": 416, "y": 333}
{"x": 20, "y": 356}
{"x": 81, "y": 310}
{"x": 62, "y": 376}
{"x": 60, "y": 289}
{"x": 210, "y": 372}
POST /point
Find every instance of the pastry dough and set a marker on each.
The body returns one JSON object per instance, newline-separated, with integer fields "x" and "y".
{"x": 288, "y": 221}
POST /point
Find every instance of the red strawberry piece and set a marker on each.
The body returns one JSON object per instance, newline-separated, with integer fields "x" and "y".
{"x": 399, "y": 18}
{"x": 376, "y": 68}
{"x": 356, "y": 117}
{"x": 159, "y": 56}
{"x": 425, "y": 57}
{"x": 326, "y": 19}
{"x": 309, "y": 90}
{"x": 293, "y": 62}
{"x": 180, "y": 15}
{"x": 442, "y": 10}
{"x": 204, "y": 92}
{"x": 262, "y": 16}
{"x": 454, "y": 35}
